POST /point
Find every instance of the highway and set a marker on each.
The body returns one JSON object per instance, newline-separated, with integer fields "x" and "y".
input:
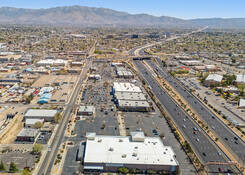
{"x": 204, "y": 147}
{"x": 139, "y": 51}
{"x": 225, "y": 134}
{"x": 59, "y": 136}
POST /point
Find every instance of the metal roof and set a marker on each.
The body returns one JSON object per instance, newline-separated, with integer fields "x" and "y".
{"x": 40, "y": 113}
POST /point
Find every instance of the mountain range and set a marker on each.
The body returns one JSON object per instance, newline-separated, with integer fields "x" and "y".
{"x": 96, "y": 17}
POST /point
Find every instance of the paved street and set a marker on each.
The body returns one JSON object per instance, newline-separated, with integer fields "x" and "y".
{"x": 230, "y": 111}
{"x": 229, "y": 138}
{"x": 204, "y": 147}
{"x": 59, "y": 137}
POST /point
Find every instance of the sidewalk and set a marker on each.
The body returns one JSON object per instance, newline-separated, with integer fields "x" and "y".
{"x": 121, "y": 123}
{"x": 44, "y": 152}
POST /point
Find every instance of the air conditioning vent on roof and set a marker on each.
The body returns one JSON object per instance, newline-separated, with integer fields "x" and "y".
{"x": 100, "y": 140}
{"x": 120, "y": 140}
{"x": 111, "y": 149}
{"x": 124, "y": 156}
{"x": 134, "y": 155}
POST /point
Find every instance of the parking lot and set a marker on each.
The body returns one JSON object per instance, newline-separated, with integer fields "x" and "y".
{"x": 98, "y": 94}
{"x": 19, "y": 158}
{"x": 44, "y": 137}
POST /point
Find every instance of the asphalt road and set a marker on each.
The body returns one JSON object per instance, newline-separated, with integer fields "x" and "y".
{"x": 204, "y": 147}
{"x": 59, "y": 137}
{"x": 140, "y": 50}
{"x": 225, "y": 134}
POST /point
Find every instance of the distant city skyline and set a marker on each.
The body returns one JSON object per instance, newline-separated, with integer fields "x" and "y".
{"x": 185, "y": 9}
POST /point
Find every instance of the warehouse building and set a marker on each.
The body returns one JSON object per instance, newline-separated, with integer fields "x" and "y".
{"x": 125, "y": 87}
{"x": 240, "y": 79}
{"x": 117, "y": 64}
{"x": 9, "y": 57}
{"x": 27, "y": 135}
{"x": 45, "y": 90}
{"x": 47, "y": 115}
{"x": 241, "y": 104}
{"x": 94, "y": 77}
{"x": 108, "y": 153}
{"x": 122, "y": 72}
{"x": 44, "y": 98}
{"x": 86, "y": 110}
{"x": 77, "y": 63}
{"x": 182, "y": 57}
{"x": 30, "y": 123}
{"x": 133, "y": 106}
{"x": 52, "y": 62}
{"x": 129, "y": 96}
{"x": 207, "y": 68}
{"x": 213, "y": 79}
{"x": 191, "y": 62}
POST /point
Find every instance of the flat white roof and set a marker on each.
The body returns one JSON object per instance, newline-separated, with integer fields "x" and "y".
{"x": 28, "y": 132}
{"x": 132, "y": 103}
{"x": 86, "y": 109}
{"x": 124, "y": 73}
{"x": 33, "y": 121}
{"x": 125, "y": 87}
{"x": 121, "y": 150}
{"x": 130, "y": 96}
{"x": 52, "y": 61}
{"x": 190, "y": 62}
{"x": 240, "y": 78}
{"x": 214, "y": 77}
{"x": 40, "y": 113}
{"x": 242, "y": 103}
{"x": 211, "y": 66}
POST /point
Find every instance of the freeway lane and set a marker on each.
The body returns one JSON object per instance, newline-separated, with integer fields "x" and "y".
{"x": 200, "y": 142}
{"x": 59, "y": 137}
{"x": 229, "y": 138}
{"x": 139, "y": 51}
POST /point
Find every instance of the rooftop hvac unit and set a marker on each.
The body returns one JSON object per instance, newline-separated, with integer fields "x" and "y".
{"x": 124, "y": 156}
{"x": 111, "y": 149}
{"x": 134, "y": 154}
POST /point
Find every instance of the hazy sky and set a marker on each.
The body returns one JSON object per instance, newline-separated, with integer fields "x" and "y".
{"x": 176, "y": 8}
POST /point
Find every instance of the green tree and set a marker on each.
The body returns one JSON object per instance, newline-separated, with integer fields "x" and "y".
{"x": 13, "y": 168}
{"x": 241, "y": 87}
{"x": 2, "y": 166}
{"x": 25, "y": 172}
{"x": 151, "y": 171}
{"x": 37, "y": 148}
{"x": 134, "y": 171}
{"x": 57, "y": 117}
{"x": 38, "y": 125}
{"x": 123, "y": 170}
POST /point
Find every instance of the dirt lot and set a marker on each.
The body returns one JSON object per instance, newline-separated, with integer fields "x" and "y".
{"x": 14, "y": 126}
